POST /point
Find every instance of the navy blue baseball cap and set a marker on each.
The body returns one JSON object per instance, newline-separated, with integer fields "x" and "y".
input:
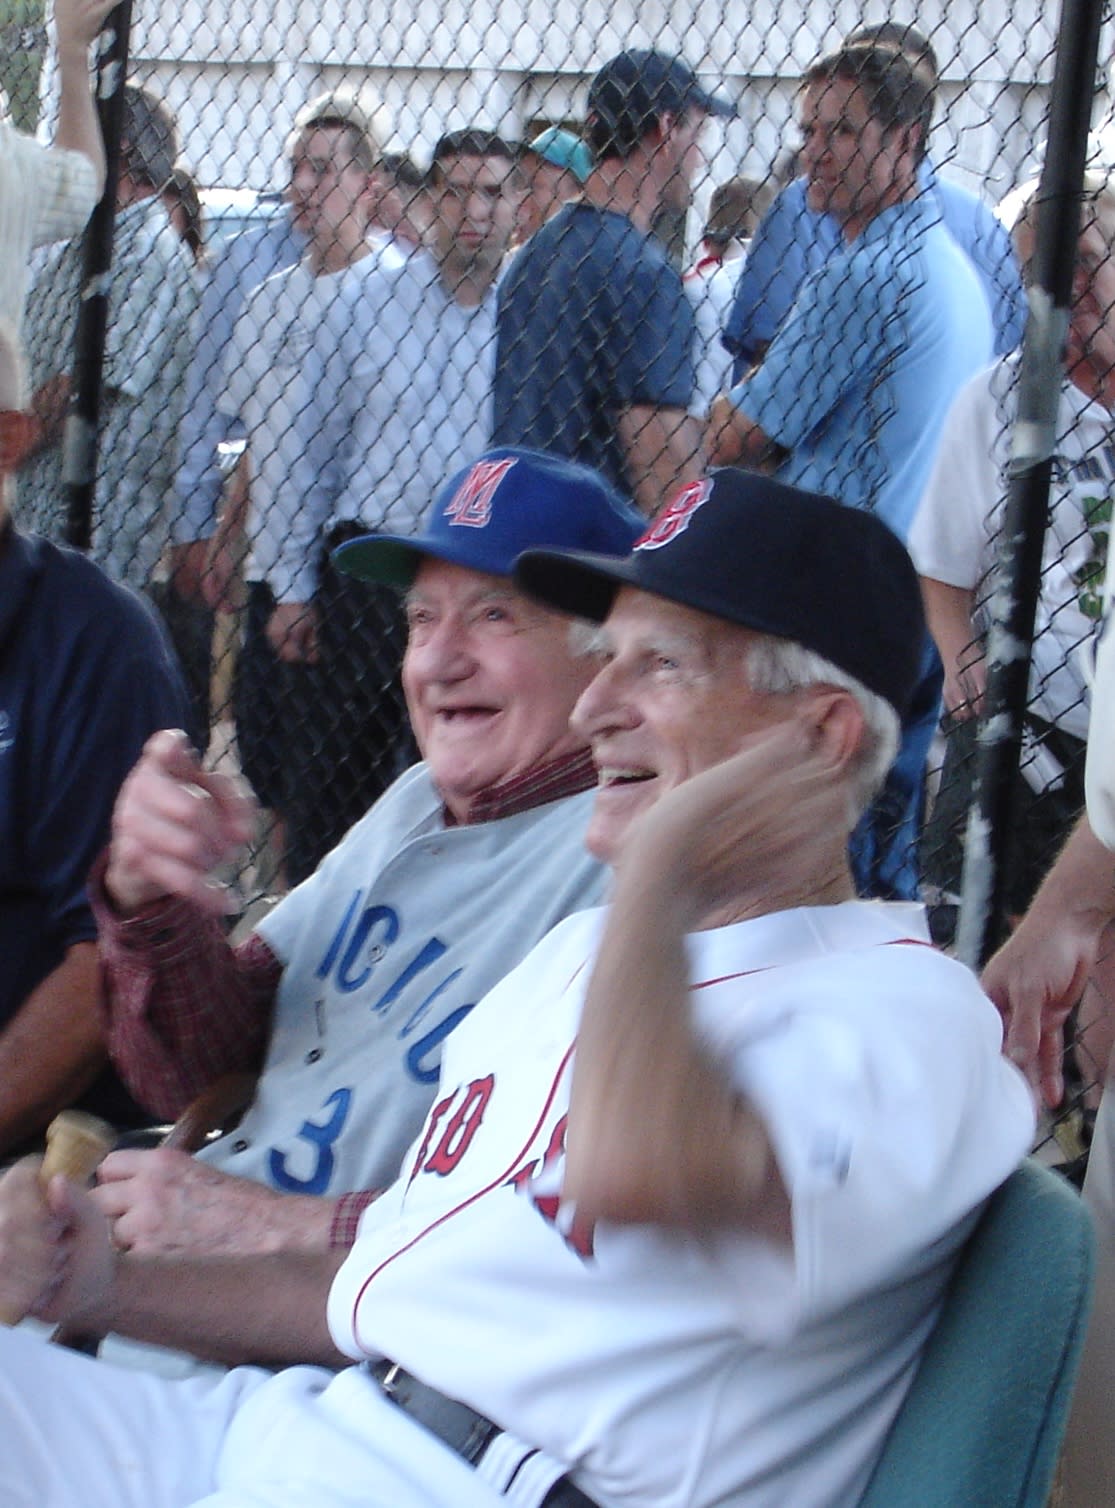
{"x": 769, "y": 557}
{"x": 485, "y": 516}
{"x": 631, "y": 92}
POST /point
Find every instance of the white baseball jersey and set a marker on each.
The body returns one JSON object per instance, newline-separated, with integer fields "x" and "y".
{"x": 956, "y": 530}
{"x": 665, "y": 1370}
{"x": 668, "y": 1370}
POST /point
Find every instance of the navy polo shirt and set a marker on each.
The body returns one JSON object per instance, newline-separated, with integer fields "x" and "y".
{"x": 86, "y": 676}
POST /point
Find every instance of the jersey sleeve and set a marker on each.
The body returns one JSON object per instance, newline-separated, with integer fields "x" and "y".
{"x": 873, "y": 1113}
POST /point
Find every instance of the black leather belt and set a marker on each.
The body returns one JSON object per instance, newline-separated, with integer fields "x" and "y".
{"x": 458, "y": 1426}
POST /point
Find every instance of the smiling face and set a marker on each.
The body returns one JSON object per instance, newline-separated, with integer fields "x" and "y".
{"x": 489, "y": 680}
{"x": 670, "y": 699}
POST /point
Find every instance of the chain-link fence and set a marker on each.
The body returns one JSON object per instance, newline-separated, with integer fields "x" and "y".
{"x": 303, "y": 338}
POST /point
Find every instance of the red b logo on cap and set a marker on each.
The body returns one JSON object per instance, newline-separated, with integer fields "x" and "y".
{"x": 674, "y": 518}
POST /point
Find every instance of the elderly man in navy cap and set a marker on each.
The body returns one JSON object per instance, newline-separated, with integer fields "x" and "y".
{"x": 683, "y": 1212}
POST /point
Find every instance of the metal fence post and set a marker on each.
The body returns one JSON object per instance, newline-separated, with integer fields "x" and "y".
{"x": 79, "y": 465}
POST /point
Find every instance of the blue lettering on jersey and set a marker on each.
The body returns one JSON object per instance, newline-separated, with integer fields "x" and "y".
{"x": 359, "y": 947}
{"x": 322, "y": 1139}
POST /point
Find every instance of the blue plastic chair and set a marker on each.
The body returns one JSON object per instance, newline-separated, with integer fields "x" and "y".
{"x": 984, "y": 1419}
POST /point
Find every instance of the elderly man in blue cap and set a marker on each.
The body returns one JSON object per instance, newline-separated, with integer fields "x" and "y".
{"x": 346, "y": 992}
{"x": 684, "y": 1210}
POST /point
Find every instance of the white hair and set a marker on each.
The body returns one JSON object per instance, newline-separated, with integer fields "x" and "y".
{"x": 781, "y": 665}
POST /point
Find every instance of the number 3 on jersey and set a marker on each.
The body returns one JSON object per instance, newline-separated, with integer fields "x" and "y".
{"x": 321, "y": 1138}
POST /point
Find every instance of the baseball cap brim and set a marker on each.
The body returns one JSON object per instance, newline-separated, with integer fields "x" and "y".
{"x": 393, "y": 560}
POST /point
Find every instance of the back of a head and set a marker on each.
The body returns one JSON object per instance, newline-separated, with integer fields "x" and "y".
{"x": 735, "y": 209}
{"x": 632, "y": 92}
{"x": 149, "y": 138}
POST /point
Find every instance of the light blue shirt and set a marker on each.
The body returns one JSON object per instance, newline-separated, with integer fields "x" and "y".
{"x": 858, "y": 380}
{"x": 792, "y": 241}
{"x": 400, "y": 397}
{"x": 247, "y": 260}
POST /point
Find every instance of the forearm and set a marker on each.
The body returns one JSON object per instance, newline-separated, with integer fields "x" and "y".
{"x": 182, "y": 1006}
{"x": 1080, "y": 888}
{"x": 663, "y": 450}
{"x": 78, "y": 129}
{"x": 230, "y": 1310}
{"x": 948, "y": 610}
{"x": 53, "y": 1048}
{"x": 657, "y": 1132}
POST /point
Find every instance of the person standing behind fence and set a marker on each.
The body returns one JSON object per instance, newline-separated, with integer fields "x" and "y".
{"x": 85, "y": 678}
{"x": 955, "y": 541}
{"x": 48, "y": 192}
{"x": 595, "y": 357}
{"x": 333, "y": 188}
{"x": 400, "y": 388}
{"x": 852, "y": 393}
{"x": 152, "y": 294}
{"x": 795, "y": 239}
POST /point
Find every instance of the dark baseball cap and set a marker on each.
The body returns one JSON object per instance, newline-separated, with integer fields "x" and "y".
{"x": 769, "y": 557}
{"x": 488, "y": 513}
{"x": 632, "y": 91}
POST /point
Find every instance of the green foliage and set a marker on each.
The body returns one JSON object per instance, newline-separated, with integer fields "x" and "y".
{"x": 22, "y": 45}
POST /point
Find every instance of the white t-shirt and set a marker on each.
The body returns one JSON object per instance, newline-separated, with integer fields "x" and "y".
{"x": 956, "y": 530}
{"x": 663, "y": 1369}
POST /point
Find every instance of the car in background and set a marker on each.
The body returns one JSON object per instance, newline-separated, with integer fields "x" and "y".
{"x": 228, "y": 211}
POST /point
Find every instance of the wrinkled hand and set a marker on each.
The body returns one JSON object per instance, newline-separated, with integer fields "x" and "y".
{"x": 1035, "y": 979}
{"x": 292, "y": 632}
{"x": 174, "y": 824}
{"x": 164, "y": 1202}
{"x": 55, "y": 1256}
{"x": 767, "y": 827}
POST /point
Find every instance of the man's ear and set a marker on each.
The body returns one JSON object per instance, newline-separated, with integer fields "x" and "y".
{"x": 836, "y": 725}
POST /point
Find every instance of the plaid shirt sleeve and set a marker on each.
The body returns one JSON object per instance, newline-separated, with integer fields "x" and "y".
{"x": 183, "y": 1007}
{"x": 346, "y": 1217}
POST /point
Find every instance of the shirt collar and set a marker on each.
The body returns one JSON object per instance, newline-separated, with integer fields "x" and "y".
{"x": 568, "y": 775}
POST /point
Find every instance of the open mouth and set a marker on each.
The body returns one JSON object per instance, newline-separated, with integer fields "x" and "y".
{"x": 465, "y": 714}
{"x": 609, "y": 778}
